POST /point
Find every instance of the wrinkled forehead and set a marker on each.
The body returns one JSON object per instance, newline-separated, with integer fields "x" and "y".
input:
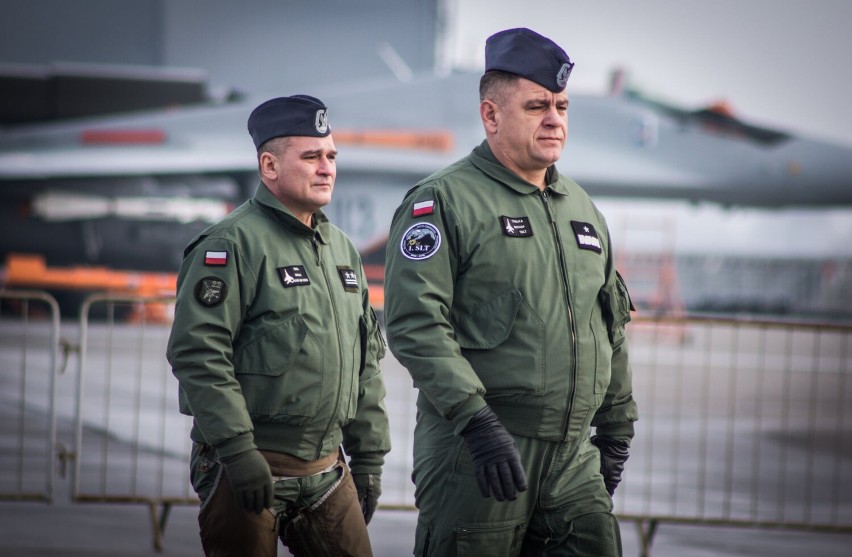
{"x": 525, "y": 89}
{"x": 304, "y": 143}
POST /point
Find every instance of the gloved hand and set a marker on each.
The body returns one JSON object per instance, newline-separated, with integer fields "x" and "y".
{"x": 251, "y": 480}
{"x": 495, "y": 456}
{"x": 613, "y": 455}
{"x": 369, "y": 488}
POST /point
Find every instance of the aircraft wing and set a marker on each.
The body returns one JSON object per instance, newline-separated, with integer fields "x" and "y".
{"x": 618, "y": 145}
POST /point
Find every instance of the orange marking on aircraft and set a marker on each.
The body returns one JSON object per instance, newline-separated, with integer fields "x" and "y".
{"x": 397, "y": 139}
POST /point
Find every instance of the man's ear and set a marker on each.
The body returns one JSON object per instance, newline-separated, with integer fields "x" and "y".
{"x": 488, "y": 112}
{"x": 268, "y": 165}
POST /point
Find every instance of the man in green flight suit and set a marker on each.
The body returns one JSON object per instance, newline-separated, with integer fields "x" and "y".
{"x": 277, "y": 352}
{"x": 503, "y": 302}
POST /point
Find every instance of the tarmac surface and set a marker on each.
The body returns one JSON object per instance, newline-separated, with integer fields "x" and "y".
{"x": 141, "y": 450}
{"x": 30, "y": 529}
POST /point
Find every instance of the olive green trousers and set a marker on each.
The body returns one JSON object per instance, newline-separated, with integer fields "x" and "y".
{"x": 566, "y": 510}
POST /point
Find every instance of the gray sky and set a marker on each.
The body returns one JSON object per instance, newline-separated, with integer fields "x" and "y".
{"x": 785, "y": 64}
{"x": 781, "y": 63}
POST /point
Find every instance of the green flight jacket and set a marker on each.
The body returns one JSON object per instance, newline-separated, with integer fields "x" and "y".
{"x": 274, "y": 342}
{"x": 497, "y": 293}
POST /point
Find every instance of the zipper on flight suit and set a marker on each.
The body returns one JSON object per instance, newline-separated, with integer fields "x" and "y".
{"x": 339, "y": 344}
{"x": 564, "y": 273}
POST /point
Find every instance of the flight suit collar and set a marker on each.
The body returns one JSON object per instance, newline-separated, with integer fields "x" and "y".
{"x": 282, "y": 214}
{"x": 483, "y": 158}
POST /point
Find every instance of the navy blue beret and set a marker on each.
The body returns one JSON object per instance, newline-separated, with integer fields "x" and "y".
{"x": 529, "y": 55}
{"x": 284, "y": 116}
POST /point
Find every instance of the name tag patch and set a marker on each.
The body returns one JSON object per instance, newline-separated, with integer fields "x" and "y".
{"x": 293, "y": 275}
{"x": 587, "y": 237}
{"x": 210, "y": 291}
{"x": 517, "y": 227}
{"x": 348, "y": 278}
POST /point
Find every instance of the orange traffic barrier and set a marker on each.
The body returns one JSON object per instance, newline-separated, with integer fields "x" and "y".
{"x": 30, "y": 270}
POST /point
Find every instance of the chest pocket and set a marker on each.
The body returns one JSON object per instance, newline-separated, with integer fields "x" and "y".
{"x": 280, "y": 371}
{"x": 504, "y": 342}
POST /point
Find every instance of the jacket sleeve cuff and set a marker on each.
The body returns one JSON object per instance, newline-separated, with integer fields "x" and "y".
{"x": 235, "y": 445}
{"x": 462, "y": 413}
{"x": 367, "y": 463}
{"x": 622, "y": 431}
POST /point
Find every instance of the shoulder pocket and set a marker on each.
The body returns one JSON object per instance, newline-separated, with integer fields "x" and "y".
{"x": 616, "y": 305}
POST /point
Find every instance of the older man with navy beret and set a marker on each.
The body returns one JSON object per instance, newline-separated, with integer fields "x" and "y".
{"x": 277, "y": 351}
{"x": 503, "y": 302}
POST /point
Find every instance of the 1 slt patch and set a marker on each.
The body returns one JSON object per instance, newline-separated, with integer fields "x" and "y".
{"x": 587, "y": 236}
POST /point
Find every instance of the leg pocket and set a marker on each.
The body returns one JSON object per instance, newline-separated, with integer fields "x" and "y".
{"x": 489, "y": 540}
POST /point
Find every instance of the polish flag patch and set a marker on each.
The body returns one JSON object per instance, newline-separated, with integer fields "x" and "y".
{"x": 423, "y": 208}
{"x": 216, "y": 258}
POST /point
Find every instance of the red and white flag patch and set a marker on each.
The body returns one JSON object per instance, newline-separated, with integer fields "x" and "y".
{"x": 216, "y": 258}
{"x": 423, "y": 208}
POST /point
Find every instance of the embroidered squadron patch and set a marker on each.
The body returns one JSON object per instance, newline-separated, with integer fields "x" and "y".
{"x": 420, "y": 241}
{"x": 210, "y": 291}
{"x": 293, "y": 275}
{"x": 587, "y": 237}
{"x": 517, "y": 227}
{"x": 348, "y": 278}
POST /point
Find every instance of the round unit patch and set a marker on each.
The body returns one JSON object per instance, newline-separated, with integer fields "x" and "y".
{"x": 420, "y": 241}
{"x": 210, "y": 291}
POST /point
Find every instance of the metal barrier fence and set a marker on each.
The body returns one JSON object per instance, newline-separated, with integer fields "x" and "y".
{"x": 742, "y": 422}
{"x": 131, "y": 443}
{"x": 29, "y": 339}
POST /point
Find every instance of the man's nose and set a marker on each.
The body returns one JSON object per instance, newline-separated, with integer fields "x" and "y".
{"x": 326, "y": 167}
{"x": 552, "y": 117}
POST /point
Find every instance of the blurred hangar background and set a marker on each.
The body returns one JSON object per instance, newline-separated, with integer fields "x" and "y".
{"x": 122, "y": 134}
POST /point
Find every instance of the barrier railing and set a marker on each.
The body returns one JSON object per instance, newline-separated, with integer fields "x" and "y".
{"x": 742, "y": 423}
{"x": 131, "y": 444}
{"x": 29, "y": 339}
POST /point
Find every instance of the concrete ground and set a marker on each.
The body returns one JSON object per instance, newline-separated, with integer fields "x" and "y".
{"x": 32, "y": 529}
{"x": 130, "y": 445}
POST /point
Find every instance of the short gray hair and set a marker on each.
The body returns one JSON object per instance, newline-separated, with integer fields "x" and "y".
{"x": 492, "y": 84}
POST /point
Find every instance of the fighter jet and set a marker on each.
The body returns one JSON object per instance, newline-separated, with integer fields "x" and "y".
{"x": 130, "y": 190}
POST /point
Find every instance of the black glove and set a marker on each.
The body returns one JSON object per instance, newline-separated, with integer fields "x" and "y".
{"x": 369, "y": 488}
{"x": 613, "y": 456}
{"x": 250, "y": 480}
{"x": 495, "y": 456}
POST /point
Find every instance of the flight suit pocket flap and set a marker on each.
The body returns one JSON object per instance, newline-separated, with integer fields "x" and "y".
{"x": 272, "y": 350}
{"x": 490, "y": 324}
{"x": 616, "y": 305}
